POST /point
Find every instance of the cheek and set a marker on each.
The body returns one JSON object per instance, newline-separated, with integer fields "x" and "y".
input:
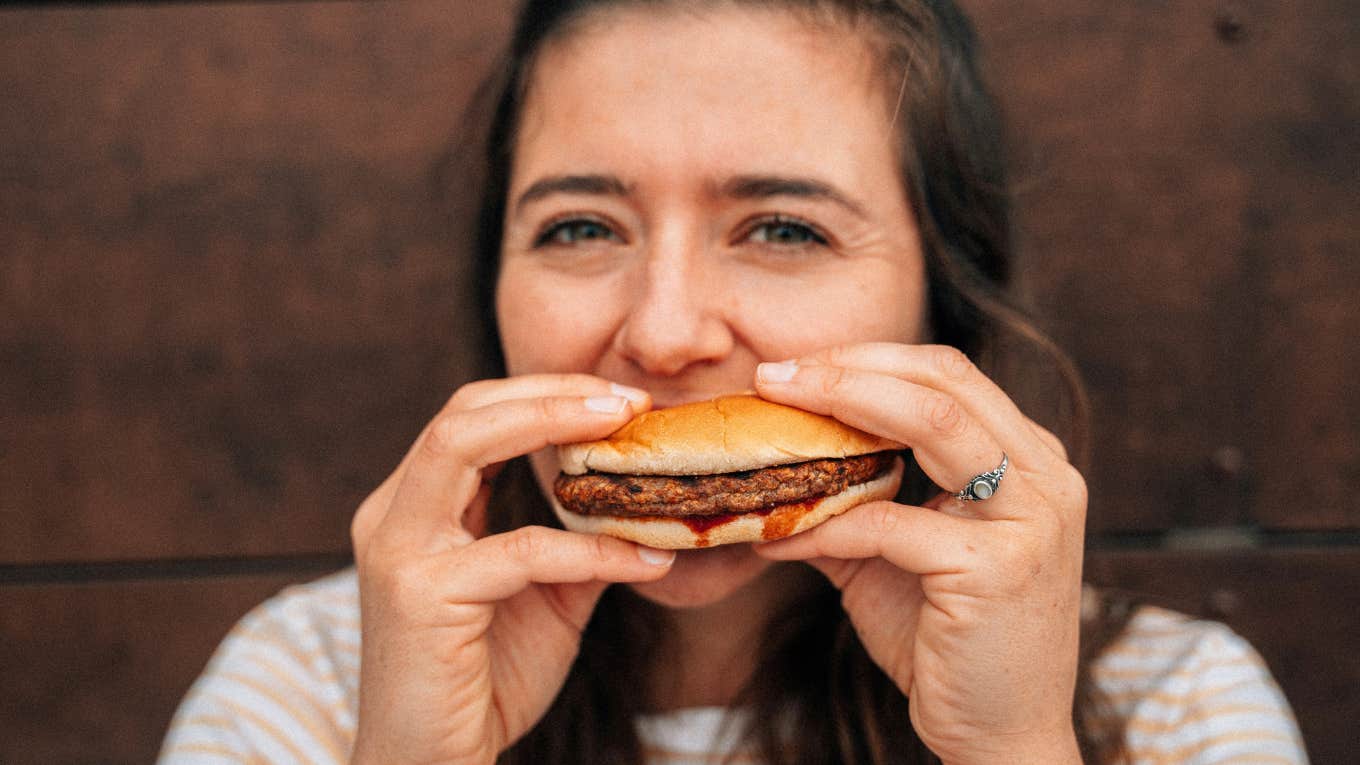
{"x": 901, "y": 308}
{"x": 785, "y": 318}
{"x": 552, "y": 324}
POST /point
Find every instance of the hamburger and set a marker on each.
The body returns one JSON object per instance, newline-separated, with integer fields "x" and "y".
{"x": 733, "y": 469}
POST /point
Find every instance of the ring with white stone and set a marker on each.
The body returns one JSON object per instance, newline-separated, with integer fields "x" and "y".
{"x": 984, "y": 485}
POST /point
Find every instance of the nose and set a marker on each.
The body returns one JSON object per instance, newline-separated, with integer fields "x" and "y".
{"x": 676, "y": 319}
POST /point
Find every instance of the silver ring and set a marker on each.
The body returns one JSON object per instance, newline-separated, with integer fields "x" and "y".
{"x": 984, "y": 485}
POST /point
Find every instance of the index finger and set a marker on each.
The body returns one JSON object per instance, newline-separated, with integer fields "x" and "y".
{"x": 480, "y": 393}
{"x": 443, "y": 472}
{"x": 949, "y": 370}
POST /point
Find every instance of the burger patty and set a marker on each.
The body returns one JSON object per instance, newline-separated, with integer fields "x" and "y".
{"x": 744, "y": 492}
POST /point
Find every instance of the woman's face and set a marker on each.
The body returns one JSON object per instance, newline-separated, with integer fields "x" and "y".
{"x": 692, "y": 195}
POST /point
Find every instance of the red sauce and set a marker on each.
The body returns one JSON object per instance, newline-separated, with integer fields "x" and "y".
{"x": 780, "y": 521}
{"x": 777, "y": 522}
{"x": 700, "y": 524}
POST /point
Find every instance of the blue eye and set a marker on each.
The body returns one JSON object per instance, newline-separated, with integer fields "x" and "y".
{"x": 785, "y": 231}
{"x": 575, "y": 231}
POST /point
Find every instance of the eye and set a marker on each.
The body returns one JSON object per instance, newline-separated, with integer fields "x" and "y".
{"x": 575, "y": 231}
{"x": 781, "y": 230}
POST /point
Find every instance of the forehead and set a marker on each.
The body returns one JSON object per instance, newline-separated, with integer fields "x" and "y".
{"x": 726, "y": 88}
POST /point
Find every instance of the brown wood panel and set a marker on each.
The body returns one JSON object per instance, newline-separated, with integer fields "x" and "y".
{"x": 1298, "y": 607}
{"x": 1187, "y": 186}
{"x": 229, "y": 299}
{"x": 93, "y": 672}
{"x": 229, "y": 294}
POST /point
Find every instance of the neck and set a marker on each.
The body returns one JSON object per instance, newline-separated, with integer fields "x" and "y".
{"x": 713, "y": 649}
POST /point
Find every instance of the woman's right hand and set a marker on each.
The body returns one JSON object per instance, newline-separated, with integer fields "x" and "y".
{"x": 467, "y": 640}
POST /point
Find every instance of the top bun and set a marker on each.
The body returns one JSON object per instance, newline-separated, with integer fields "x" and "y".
{"x": 724, "y": 435}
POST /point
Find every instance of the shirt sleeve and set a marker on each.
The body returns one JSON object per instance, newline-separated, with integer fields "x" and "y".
{"x": 281, "y": 688}
{"x": 1198, "y": 694}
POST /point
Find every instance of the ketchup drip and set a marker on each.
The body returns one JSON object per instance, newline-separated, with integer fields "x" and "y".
{"x": 778, "y": 521}
{"x": 700, "y": 524}
{"x": 782, "y": 520}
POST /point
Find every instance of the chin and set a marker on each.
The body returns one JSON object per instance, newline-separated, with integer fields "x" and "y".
{"x": 703, "y": 577}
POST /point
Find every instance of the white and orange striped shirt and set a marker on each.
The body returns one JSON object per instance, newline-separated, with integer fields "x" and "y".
{"x": 284, "y": 688}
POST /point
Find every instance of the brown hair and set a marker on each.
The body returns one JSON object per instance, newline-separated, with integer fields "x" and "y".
{"x": 813, "y": 675}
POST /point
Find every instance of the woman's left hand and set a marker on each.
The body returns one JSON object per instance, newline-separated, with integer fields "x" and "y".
{"x": 973, "y": 608}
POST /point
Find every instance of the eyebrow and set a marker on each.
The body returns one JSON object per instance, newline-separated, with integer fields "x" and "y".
{"x": 736, "y": 187}
{"x": 605, "y": 185}
{"x": 762, "y": 186}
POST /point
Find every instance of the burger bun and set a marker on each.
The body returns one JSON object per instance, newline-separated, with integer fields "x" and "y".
{"x": 782, "y": 521}
{"x": 722, "y": 435}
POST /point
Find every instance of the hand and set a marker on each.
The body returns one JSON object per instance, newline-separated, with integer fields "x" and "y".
{"x": 971, "y": 607}
{"x": 466, "y": 641}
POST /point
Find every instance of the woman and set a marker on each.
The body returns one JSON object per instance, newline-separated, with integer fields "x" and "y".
{"x": 687, "y": 199}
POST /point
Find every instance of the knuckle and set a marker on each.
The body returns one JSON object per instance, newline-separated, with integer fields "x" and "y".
{"x": 834, "y": 381}
{"x": 462, "y": 398}
{"x": 402, "y": 585}
{"x": 441, "y": 440}
{"x": 883, "y": 518}
{"x": 376, "y": 555}
{"x": 358, "y": 539}
{"x": 547, "y": 409}
{"x": 1075, "y": 491}
{"x": 836, "y": 355}
{"x": 526, "y": 543}
{"x": 415, "y": 588}
{"x": 361, "y": 525}
{"x": 951, "y": 363}
{"x": 944, "y": 415}
{"x": 601, "y": 548}
{"x": 1052, "y": 441}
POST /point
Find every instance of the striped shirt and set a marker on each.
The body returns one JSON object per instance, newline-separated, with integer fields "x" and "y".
{"x": 284, "y": 688}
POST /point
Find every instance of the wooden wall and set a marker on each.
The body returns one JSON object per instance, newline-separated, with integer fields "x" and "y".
{"x": 230, "y": 296}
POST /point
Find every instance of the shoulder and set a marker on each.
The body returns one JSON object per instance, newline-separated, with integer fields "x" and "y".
{"x": 1193, "y": 691}
{"x": 282, "y": 686}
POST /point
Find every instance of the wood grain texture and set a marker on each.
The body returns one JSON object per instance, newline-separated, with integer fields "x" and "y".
{"x": 230, "y": 297}
{"x": 230, "y": 293}
{"x": 1187, "y": 189}
{"x": 94, "y": 672}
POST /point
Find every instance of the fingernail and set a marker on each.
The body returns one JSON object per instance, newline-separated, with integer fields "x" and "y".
{"x": 776, "y": 372}
{"x": 636, "y": 395}
{"x": 654, "y": 557}
{"x": 606, "y": 404}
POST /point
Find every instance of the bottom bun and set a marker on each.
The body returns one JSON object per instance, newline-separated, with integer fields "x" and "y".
{"x": 782, "y": 521}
